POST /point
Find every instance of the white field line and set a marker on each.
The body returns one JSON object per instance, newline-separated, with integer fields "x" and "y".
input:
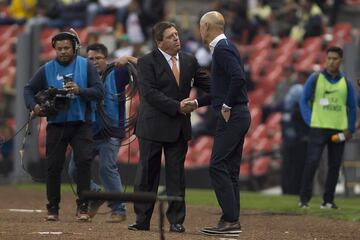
{"x": 26, "y": 210}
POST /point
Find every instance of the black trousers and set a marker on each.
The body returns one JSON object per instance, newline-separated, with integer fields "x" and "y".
{"x": 293, "y": 162}
{"x": 58, "y": 138}
{"x": 226, "y": 158}
{"x": 148, "y": 177}
{"x": 318, "y": 139}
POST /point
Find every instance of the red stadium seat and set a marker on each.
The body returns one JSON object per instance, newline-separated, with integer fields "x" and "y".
{"x": 203, "y": 142}
{"x": 273, "y": 122}
{"x": 244, "y": 169}
{"x": 261, "y": 166}
{"x": 255, "y": 113}
{"x": 312, "y": 44}
{"x": 104, "y": 21}
{"x": 204, "y": 156}
{"x": 247, "y": 147}
{"x": 259, "y": 132}
{"x": 262, "y": 144}
{"x": 341, "y": 34}
{"x": 262, "y": 42}
{"x": 256, "y": 97}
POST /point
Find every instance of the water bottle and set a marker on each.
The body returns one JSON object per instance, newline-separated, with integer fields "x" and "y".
{"x": 339, "y": 137}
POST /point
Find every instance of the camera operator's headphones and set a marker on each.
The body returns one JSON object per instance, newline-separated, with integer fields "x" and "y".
{"x": 72, "y": 36}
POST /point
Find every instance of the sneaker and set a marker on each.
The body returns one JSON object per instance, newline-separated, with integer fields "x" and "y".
{"x": 223, "y": 227}
{"x": 52, "y": 213}
{"x": 94, "y": 207}
{"x": 116, "y": 218}
{"x": 83, "y": 216}
{"x": 303, "y": 205}
{"x": 52, "y": 217}
{"x": 328, "y": 205}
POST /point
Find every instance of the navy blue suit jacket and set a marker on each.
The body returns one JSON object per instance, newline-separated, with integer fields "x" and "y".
{"x": 228, "y": 82}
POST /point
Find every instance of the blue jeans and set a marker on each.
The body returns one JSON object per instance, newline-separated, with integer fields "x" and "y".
{"x": 107, "y": 149}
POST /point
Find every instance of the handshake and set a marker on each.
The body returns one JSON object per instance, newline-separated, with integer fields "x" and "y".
{"x": 187, "y": 105}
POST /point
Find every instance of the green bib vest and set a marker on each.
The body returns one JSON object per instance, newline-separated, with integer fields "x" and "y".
{"x": 329, "y": 109}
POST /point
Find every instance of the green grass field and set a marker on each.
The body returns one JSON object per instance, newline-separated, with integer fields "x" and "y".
{"x": 349, "y": 207}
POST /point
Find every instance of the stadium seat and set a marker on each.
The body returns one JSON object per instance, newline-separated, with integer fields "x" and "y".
{"x": 129, "y": 154}
{"x": 259, "y": 132}
{"x": 273, "y": 122}
{"x": 287, "y": 44}
{"x": 262, "y": 144}
{"x": 261, "y": 166}
{"x": 256, "y": 97}
{"x": 255, "y": 113}
{"x": 203, "y": 143}
{"x": 312, "y": 44}
{"x": 104, "y": 21}
{"x": 261, "y": 42}
{"x": 342, "y": 33}
{"x": 247, "y": 147}
{"x": 203, "y": 157}
{"x": 244, "y": 169}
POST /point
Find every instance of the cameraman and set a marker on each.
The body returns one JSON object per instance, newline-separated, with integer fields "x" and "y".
{"x": 70, "y": 126}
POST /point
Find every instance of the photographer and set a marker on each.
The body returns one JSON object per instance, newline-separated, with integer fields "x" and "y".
{"x": 79, "y": 81}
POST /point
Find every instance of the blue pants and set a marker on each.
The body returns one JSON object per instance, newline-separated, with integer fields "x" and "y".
{"x": 226, "y": 158}
{"x": 107, "y": 149}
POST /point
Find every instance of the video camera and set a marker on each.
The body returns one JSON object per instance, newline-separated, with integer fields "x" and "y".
{"x": 52, "y": 100}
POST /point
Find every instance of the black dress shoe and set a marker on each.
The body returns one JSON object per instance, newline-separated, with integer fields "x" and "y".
{"x": 139, "y": 227}
{"x": 179, "y": 228}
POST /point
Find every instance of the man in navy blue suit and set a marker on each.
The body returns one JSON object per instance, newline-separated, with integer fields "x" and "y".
{"x": 229, "y": 99}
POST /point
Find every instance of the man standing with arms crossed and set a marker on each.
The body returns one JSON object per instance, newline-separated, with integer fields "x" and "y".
{"x": 229, "y": 99}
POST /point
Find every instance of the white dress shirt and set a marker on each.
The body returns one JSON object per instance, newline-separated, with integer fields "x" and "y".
{"x": 213, "y": 43}
{"x": 168, "y": 59}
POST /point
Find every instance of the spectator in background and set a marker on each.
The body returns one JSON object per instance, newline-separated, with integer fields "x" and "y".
{"x": 240, "y": 23}
{"x": 284, "y": 18}
{"x": 19, "y": 11}
{"x": 135, "y": 31}
{"x": 309, "y": 21}
{"x": 152, "y": 11}
{"x": 294, "y": 133}
{"x": 259, "y": 19}
{"x": 72, "y": 13}
{"x": 117, "y": 7}
{"x": 328, "y": 107}
{"x": 124, "y": 47}
{"x": 275, "y": 102}
{"x": 45, "y": 11}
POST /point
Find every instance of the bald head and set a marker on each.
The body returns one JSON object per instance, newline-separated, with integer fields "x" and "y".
{"x": 214, "y": 19}
{"x": 211, "y": 25}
